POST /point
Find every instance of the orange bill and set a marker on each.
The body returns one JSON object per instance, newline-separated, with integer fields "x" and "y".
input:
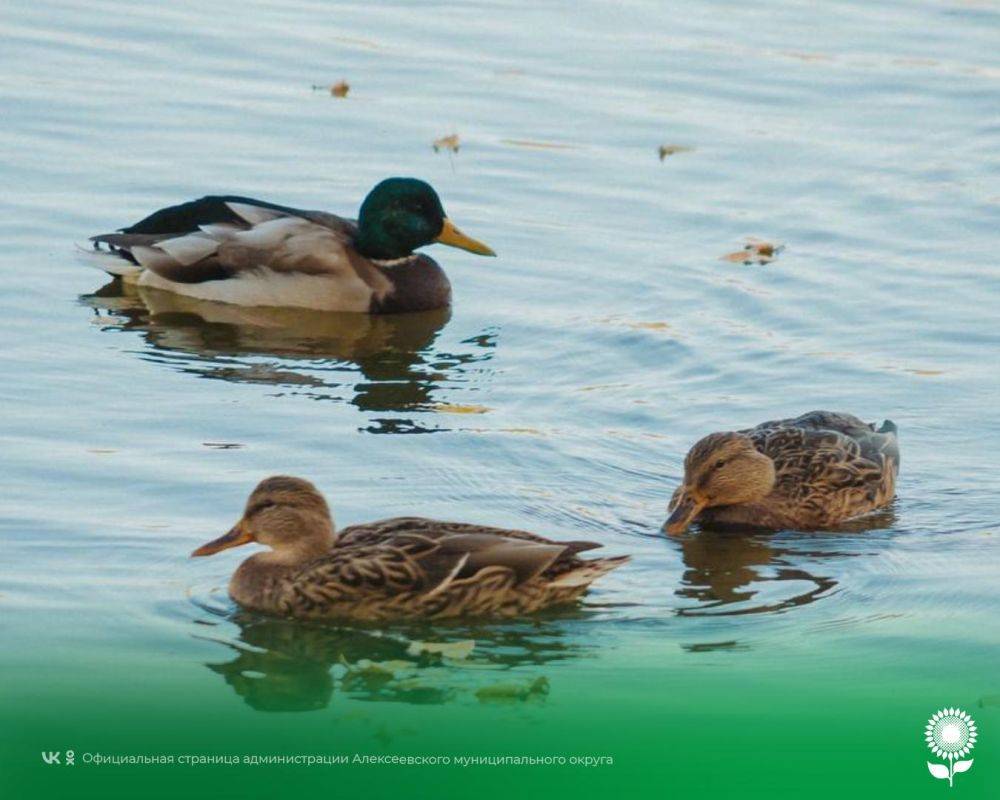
{"x": 236, "y": 536}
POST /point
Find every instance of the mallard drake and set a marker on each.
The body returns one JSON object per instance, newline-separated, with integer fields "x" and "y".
{"x": 395, "y": 569}
{"x": 814, "y": 471}
{"x": 252, "y": 253}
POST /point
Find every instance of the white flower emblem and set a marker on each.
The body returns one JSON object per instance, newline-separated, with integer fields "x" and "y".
{"x": 951, "y": 734}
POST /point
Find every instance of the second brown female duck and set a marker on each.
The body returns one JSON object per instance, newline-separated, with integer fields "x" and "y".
{"x": 395, "y": 569}
{"x": 813, "y": 471}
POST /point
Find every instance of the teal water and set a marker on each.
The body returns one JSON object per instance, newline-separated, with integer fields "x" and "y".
{"x": 559, "y": 395}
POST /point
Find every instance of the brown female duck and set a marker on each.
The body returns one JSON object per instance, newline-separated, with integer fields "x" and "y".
{"x": 402, "y": 568}
{"x": 814, "y": 471}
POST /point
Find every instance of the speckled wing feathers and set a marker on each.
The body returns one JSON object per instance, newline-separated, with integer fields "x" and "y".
{"x": 829, "y": 467}
{"x": 411, "y": 567}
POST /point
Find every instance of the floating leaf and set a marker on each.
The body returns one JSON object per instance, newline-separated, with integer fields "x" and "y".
{"x": 672, "y": 149}
{"x": 964, "y": 766}
{"x": 755, "y": 251}
{"x": 450, "y": 142}
{"x": 938, "y": 770}
{"x": 338, "y": 89}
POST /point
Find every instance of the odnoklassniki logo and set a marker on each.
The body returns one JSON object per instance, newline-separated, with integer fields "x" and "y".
{"x": 951, "y": 734}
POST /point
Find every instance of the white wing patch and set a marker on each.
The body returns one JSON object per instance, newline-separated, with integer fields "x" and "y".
{"x": 279, "y": 232}
{"x": 189, "y": 249}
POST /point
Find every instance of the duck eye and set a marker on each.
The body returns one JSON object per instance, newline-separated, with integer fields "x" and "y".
{"x": 258, "y": 507}
{"x": 721, "y": 462}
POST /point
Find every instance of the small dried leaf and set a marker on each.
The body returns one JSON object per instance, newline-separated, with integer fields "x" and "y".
{"x": 449, "y": 142}
{"x": 755, "y": 251}
{"x": 340, "y": 89}
{"x": 671, "y": 149}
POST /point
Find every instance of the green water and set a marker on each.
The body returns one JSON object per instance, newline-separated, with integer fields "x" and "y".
{"x": 559, "y": 394}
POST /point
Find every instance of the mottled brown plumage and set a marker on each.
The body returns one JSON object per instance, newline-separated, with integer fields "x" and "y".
{"x": 814, "y": 471}
{"x": 395, "y": 569}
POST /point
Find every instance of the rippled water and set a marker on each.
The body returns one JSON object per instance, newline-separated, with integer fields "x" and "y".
{"x": 559, "y": 394}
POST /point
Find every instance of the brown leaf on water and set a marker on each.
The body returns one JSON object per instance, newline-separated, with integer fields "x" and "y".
{"x": 672, "y": 149}
{"x": 449, "y": 142}
{"x": 755, "y": 251}
{"x": 338, "y": 89}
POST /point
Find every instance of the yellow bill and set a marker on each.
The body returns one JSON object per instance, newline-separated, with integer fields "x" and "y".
{"x": 452, "y": 236}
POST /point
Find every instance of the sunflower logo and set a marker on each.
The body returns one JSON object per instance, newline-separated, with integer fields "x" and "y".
{"x": 951, "y": 734}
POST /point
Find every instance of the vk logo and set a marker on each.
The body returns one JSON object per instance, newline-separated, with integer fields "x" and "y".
{"x": 51, "y": 757}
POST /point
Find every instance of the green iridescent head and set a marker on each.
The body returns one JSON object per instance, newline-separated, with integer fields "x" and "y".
{"x": 401, "y": 214}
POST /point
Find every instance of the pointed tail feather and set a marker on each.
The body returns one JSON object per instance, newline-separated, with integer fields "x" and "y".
{"x": 590, "y": 571}
{"x": 109, "y": 261}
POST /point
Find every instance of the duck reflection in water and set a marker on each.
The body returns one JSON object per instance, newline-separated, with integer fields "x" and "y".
{"x": 287, "y": 665}
{"x": 731, "y": 571}
{"x": 382, "y": 364}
